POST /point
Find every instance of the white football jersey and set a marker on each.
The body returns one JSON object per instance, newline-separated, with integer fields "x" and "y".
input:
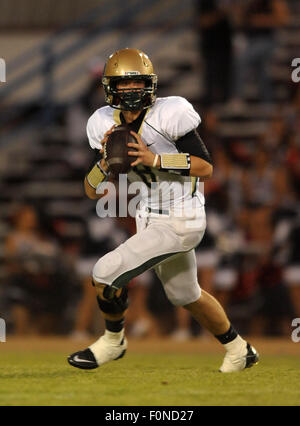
{"x": 166, "y": 121}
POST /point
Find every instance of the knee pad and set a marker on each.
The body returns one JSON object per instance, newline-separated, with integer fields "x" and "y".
{"x": 108, "y": 267}
{"x": 114, "y": 301}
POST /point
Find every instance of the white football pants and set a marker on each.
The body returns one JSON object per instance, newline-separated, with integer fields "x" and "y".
{"x": 165, "y": 243}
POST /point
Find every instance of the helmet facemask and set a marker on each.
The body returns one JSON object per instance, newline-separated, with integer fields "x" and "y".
{"x": 130, "y": 99}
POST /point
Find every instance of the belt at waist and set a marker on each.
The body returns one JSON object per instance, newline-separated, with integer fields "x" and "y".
{"x": 158, "y": 211}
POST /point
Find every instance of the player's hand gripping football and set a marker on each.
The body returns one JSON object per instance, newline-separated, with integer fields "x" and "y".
{"x": 143, "y": 154}
{"x": 103, "y": 142}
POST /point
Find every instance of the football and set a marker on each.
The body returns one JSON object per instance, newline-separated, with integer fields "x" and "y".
{"x": 116, "y": 150}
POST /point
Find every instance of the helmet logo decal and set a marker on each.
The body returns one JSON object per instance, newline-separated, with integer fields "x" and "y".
{"x": 132, "y": 73}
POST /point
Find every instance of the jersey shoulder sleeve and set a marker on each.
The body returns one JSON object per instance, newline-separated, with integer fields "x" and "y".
{"x": 177, "y": 117}
{"x": 98, "y": 123}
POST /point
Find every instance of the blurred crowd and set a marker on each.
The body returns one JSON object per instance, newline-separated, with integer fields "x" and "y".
{"x": 250, "y": 255}
{"x": 237, "y": 41}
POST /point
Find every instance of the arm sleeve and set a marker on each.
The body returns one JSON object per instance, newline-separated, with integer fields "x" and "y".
{"x": 180, "y": 118}
{"x": 192, "y": 144}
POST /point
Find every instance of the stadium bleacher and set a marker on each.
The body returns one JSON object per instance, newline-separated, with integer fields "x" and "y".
{"x": 48, "y": 55}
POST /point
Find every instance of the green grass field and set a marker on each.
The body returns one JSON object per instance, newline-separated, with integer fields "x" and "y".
{"x": 43, "y": 377}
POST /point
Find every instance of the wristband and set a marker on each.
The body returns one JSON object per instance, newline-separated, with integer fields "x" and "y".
{"x": 96, "y": 176}
{"x": 155, "y": 160}
{"x": 176, "y": 163}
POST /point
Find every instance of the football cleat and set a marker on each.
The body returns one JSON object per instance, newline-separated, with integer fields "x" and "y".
{"x": 83, "y": 359}
{"x": 239, "y": 361}
{"x": 103, "y": 350}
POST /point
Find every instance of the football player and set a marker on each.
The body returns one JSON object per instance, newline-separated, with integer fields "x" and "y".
{"x": 167, "y": 155}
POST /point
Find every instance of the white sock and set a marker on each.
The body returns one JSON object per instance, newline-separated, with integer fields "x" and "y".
{"x": 236, "y": 345}
{"x": 114, "y": 337}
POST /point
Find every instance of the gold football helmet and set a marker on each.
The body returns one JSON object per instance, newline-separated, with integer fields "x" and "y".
{"x": 129, "y": 64}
